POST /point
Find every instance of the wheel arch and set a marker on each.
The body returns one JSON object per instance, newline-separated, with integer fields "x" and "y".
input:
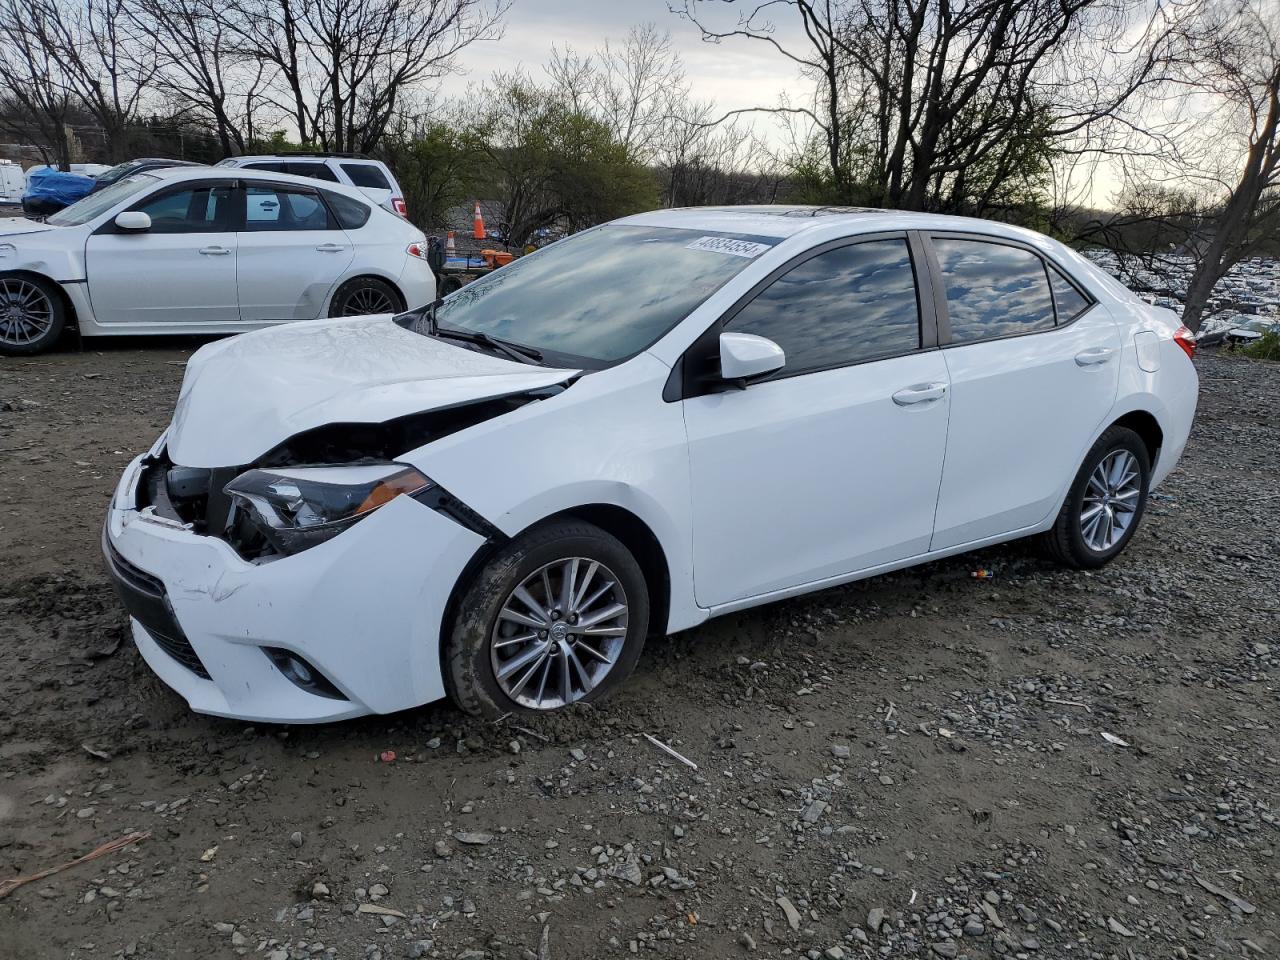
{"x": 67, "y": 303}
{"x": 1147, "y": 427}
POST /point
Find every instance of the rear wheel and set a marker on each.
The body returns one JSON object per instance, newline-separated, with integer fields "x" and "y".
{"x": 1105, "y": 504}
{"x": 32, "y": 315}
{"x": 555, "y": 617}
{"x": 363, "y": 296}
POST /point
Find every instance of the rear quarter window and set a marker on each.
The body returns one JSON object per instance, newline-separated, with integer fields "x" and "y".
{"x": 351, "y": 214}
{"x": 366, "y": 175}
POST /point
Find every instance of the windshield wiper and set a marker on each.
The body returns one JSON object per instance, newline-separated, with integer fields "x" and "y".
{"x": 515, "y": 351}
{"x": 410, "y": 318}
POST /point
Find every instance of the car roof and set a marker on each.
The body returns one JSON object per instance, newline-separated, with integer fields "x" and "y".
{"x": 303, "y": 157}
{"x": 239, "y": 173}
{"x": 787, "y": 220}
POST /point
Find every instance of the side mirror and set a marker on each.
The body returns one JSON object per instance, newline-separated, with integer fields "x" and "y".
{"x": 745, "y": 357}
{"x": 133, "y": 221}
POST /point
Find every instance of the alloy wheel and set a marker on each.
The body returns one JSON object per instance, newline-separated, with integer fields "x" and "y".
{"x": 559, "y": 633}
{"x": 26, "y": 312}
{"x": 1110, "y": 500}
{"x": 366, "y": 301}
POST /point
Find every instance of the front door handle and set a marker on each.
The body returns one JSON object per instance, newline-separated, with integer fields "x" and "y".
{"x": 920, "y": 393}
{"x": 1094, "y": 356}
{"x": 214, "y": 251}
{"x": 331, "y": 248}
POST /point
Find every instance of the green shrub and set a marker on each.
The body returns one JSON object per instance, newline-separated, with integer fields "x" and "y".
{"x": 1266, "y": 347}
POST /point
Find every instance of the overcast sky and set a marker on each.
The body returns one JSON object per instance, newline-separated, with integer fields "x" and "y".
{"x": 734, "y": 74}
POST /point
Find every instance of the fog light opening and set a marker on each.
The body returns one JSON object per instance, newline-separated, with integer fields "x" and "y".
{"x": 302, "y": 674}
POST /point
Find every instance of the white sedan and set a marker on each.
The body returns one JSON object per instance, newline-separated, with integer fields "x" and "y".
{"x": 654, "y": 422}
{"x": 205, "y": 250}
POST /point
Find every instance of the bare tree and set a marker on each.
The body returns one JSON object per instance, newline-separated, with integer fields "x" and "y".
{"x": 36, "y": 104}
{"x": 1239, "y": 70}
{"x": 203, "y": 68}
{"x": 341, "y": 67}
{"x": 954, "y": 105}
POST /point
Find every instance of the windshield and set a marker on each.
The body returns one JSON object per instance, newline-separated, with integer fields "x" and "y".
{"x": 116, "y": 172}
{"x": 82, "y": 211}
{"x": 604, "y": 294}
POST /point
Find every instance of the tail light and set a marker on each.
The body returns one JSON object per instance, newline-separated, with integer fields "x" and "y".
{"x": 418, "y": 250}
{"x": 1184, "y": 338}
{"x": 400, "y": 207}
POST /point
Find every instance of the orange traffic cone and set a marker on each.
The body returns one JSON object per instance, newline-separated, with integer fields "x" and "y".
{"x": 478, "y": 233}
{"x": 450, "y": 249}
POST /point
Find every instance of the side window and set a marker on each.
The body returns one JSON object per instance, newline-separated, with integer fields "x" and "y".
{"x": 351, "y": 214}
{"x": 281, "y": 208}
{"x": 316, "y": 171}
{"x": 1068, "y": 301}
{"x": 195, "y": 210}
{"x": 273, "y": 166}
{"x": 849, "y": 304}
{"x": 993, "y": 290}
{"x": 366, "y": 175}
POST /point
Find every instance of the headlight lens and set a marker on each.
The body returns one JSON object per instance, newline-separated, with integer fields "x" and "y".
{"x": 298, "y": 508}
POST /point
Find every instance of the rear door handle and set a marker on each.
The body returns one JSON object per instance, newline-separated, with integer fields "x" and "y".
{"x": 920, "y": 393}
{"x": 1094, "y": 356}
{"x": 331, "y": 248}
{"x": 214, "y": 251}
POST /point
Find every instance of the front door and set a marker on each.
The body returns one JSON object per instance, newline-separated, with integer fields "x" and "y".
{"x": 180, "y": 271}
{"x": 1034, "y": 367}
{"x": 832, "y": 465}
{"x": 292, "y": 253}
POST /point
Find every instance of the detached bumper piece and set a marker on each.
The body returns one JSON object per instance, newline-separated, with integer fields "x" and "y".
{"x": 145, "y": 598}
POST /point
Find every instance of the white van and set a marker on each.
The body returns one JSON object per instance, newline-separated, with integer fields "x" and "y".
{"x": 12, "y": 182}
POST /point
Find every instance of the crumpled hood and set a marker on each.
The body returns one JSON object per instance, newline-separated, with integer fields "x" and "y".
{"x": 12, "y": 226}
{"x": 243, "y": 396}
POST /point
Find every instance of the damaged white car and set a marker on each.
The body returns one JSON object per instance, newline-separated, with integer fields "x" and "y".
{"x": 663, "y": 419}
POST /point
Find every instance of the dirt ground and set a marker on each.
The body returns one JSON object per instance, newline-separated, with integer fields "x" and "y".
{"x": 910, "y": 766}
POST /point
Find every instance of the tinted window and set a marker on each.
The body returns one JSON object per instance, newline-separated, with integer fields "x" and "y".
{"x": 603, "y": 294}
{"x": 279, "y": 208}
{"x": 317, "y": 171}
{"x": 351, "y": 214}
{"x": 194, "y": 210}
{"x": 993, "y": 290}
{"x": 848, "y": 304}
{"x": 366, "y": 175}
{"x": 1067, "y": 300}
{"x": 274, "y": 166}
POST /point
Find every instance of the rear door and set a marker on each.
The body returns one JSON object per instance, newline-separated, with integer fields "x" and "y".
{"x": 182, "y": 270}
{"x": 292, "y": 253}
{"x": 832, "y": 465}
{"x": 1034, "y": 367}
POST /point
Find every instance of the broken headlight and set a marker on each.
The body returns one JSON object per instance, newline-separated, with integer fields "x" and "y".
{"x": 297, "y": 508}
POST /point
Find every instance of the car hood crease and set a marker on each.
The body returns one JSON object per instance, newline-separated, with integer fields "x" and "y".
{"x": 244, "y": 396}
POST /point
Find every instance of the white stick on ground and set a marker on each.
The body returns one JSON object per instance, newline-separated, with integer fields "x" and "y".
{"x": 663, "y": 747}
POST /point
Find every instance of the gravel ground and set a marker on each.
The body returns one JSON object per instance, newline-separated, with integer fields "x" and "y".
{"x": 922, "y": 764}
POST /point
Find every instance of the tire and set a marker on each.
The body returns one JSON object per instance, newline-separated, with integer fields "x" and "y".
{"x": 1074, "y": 540}
{"x": 472, "y": 662}
{"x": 32, "y": 314}
{"x": 363, "y": 296}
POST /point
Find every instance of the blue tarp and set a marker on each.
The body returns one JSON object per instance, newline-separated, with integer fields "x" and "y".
{"x": 58, "y": 187}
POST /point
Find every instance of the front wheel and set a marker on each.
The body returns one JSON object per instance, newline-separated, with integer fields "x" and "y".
{"x": 556, "y": 616}
{"x": 1105, "y": 503}
{"x": 32, "y": 315}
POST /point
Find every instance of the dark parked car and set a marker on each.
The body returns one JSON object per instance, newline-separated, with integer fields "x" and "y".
{"x": 130, "y": 167}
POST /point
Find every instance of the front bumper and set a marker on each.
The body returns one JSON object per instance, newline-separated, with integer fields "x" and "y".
{"x": 364, "y": 609}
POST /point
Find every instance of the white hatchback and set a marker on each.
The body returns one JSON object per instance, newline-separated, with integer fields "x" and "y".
{"x": 205, "y": 250}
{"x": 653, "y": 422}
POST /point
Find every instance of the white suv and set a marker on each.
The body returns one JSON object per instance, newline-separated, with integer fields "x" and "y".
{"x": 373, "y": 177}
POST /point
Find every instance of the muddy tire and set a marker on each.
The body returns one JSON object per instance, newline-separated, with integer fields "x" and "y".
{"x": 556, "y": 616}
{"x": 1105, "y": 503}
{"x": 365, "y": 296}
{"x": 32, "y": 314}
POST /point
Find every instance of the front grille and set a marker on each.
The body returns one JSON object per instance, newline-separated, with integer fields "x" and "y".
{"x": 144, "y": 596}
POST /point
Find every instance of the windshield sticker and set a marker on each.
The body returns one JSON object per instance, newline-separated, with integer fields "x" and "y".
{"x": 734, "y": 248}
